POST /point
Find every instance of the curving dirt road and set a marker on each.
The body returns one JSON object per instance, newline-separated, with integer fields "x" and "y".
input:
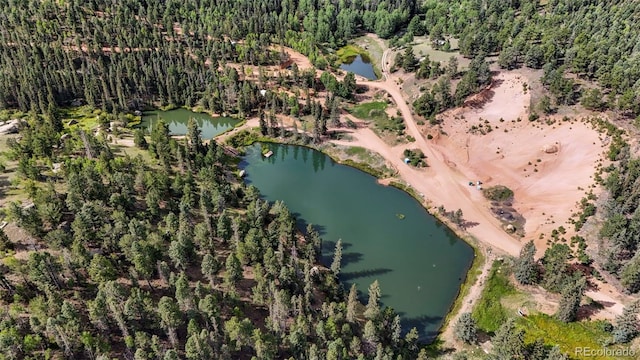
{"x": 445, "y": 183}
{"x": 442, "y": 183}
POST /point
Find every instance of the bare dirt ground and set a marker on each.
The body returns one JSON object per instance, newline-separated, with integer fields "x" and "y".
{"x": 442, "y": 183}
{"x": 548, "y": 165}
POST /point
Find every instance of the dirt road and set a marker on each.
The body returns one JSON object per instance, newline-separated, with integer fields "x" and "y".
{"x": 445, "y": 183}
{"x": 441, "y": 183}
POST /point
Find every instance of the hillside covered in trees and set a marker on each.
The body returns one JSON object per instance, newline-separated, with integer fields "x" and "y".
{"x": 168, "y": 255}
{"x": 129, "y": 53}
{"x": 595, "y": 40}
{"x": 126, "y": 54}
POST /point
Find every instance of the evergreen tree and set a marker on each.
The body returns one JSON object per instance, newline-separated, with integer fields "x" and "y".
{"x": 570, "y": 301}
{"x": 396, "y": 330}
{"x": 452, "y": 67}
{"x": 348, "y": 85}
{"x": 233, "y": 271}
{"x": 409, "y": 60}
{"x": 508, "y": 342}
{"x": 526, "y": 271}
{"x": 337, "y": 257}
{"x": 101, "y": 269}
{"x": 139, "y": 139}
{"x": 334, "y": 117}
{"x": 352, "y": 303}
{"x": 592, "y": 99}
{"x": 508, "y": 58}
{"x": 210, "y": 267}
{"x": 194, "y": 134}
{"x": 630, "y": 275}
{"x": 263, "y": 124}
{"x": 171, "y": 354}
{"x": 171, "y": 317}
{"x": 183, "y": 294}
{"x": 555, "y": 266}
{"x": 370, "y": 333}
{"x": 372, "y": 311}
{"x": 466, "y": 329}
{"x": 627, "y": 325}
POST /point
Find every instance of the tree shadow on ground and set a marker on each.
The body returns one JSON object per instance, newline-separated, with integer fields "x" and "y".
{"x": 588, "y": 310}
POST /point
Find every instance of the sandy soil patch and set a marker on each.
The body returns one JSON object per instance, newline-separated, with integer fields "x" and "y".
{"x": 568, "y": 153}
{"x": 545, "y": 165}
{"x": 442, "y": 183}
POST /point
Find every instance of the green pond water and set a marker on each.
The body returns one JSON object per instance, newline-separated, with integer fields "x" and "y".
{"x": 387, "y": 235}
{"x": 361, "y": 66}
{"x": 178, "y": 119}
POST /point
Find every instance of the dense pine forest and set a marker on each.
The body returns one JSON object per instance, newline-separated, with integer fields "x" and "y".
{"x": 169, "y": 255}
{"x": 161, "y": 252}
{"x": 130, "y": 53}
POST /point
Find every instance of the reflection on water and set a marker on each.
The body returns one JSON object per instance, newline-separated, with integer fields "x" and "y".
{"x": 418, "y": 262}
{"x": 178, "y": 119}
{"x": 360, "y": 66}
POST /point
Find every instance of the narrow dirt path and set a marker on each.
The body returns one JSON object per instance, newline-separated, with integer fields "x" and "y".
{"x": 468, "y": 302}
{"x": 442, "y": 183}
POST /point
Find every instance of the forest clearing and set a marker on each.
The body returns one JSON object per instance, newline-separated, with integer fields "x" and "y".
{"x": 180, "y": 179}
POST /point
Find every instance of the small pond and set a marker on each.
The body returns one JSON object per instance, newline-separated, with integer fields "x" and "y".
{"x": 360, "y": 66}
{"x": 177, "y": 119}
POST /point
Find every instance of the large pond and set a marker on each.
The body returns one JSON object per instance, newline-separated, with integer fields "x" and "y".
{"x": 178, "y": 119}
{"x": 360, "y": 66}
{"x": 387, "y": 235}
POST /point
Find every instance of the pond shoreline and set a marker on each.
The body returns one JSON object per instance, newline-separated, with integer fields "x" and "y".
{"x": 349, "y": 53}
{"x": 177, "y": 118}
{"x": 479, "y": 252}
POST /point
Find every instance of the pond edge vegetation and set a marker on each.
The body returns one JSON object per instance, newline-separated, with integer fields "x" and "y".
{"x": 479, "y": 257}
{"x": 348, "y": 53}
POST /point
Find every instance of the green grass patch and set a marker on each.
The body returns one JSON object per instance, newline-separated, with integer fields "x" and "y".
{"x": 474, "y": 272}
{"x": 567, "y": 336}
{"x": 83, "y": 117}
{"x": 244, "y": 138}
{"x": 374, "y": 110}
{"x": 393, "y": 125}
{"x": 408, "y": 189}
{"x": 359, "y": 158}
{"x": 364, "y": 167}
{"x": 356, "y": 151}
{"x": 489, "y": 312}
{"x": 347, "y": 53}
{"x": 134, "y": 151}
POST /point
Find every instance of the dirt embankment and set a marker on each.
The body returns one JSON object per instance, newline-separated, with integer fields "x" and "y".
{"x": 548, "y": 164}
